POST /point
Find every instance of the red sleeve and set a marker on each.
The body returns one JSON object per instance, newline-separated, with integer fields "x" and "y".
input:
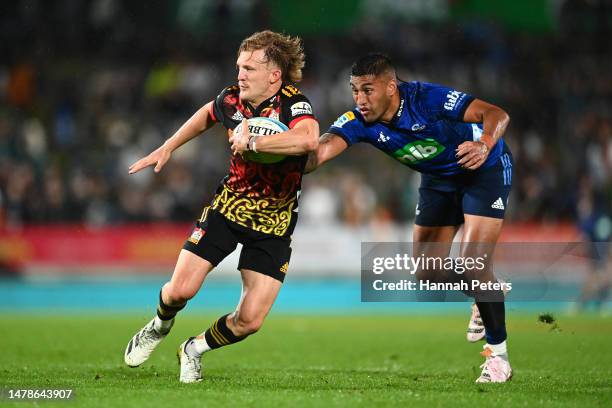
{"x": 211, "y": 112}
{"x": 299, "y": 119}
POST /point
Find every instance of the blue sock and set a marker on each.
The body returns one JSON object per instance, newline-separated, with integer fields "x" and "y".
{"x": 493, "y": 316}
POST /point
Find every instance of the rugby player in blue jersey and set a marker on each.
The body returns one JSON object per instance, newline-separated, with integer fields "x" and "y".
{"x": 455, "y": 141}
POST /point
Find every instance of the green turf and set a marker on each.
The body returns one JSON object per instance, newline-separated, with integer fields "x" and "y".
{"x": 313, "y": 361}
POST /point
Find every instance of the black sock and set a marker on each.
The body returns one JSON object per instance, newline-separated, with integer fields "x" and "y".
{"x": 493, "y": 316}
{"x": 219, "y": 335}
{"x": 166, "y": 312}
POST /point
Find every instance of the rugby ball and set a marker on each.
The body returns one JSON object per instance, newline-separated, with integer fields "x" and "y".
{"x": 262, "y": 127}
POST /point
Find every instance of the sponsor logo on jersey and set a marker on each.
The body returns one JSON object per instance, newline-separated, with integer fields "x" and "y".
{"x": 301, "y": 108}
{"x": 237, "y": 116}
{"x": 196, "y": 235}
{"x": 347, "y": 117}
{"x": 452, "y": 99}
{"x": 417, "y": 127}
{"x": 401, "y": 109}
{"x": 382, "y": 138}
{"x": 419, "y": 151}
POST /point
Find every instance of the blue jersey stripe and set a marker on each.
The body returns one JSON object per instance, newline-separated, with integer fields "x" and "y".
{"x": 510, "y": 174}
{"x": 504, "y": 166}
{"x": 507, "y": 168}
{"x": 510, "y": 168}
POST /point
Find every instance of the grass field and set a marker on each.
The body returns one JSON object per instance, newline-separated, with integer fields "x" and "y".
{"x": 312, "y": 361}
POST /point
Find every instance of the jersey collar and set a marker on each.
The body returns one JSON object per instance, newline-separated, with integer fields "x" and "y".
{"x": 403, "y": 106}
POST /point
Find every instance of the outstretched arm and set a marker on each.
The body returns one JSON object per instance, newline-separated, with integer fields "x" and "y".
{"x": 302, "y": 139}
{"x": 494, "y": 122}
{"x": 330, "y": 146}
{"x": 198, "y": 123}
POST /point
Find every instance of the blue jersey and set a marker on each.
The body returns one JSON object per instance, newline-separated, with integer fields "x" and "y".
{"x": 424, "y": 133}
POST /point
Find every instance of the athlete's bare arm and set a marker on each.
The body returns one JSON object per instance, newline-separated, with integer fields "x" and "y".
{"x": 302, "y": 139}
{"x": 330, "y": 146}
{"x": 198, "y": 123}
{"x": 494, "y": 121}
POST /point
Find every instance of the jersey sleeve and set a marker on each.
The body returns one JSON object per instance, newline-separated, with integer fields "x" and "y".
{"x": 347, "y": 127}
{"x": 297, "y": 108}
{"x": 441, "y": 102}
{"x": 225, "y": 106}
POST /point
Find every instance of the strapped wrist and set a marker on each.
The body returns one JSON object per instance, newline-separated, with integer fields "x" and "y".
{"x": 485, "y": 149}
{"x": 488, "y": 141}
{"x": 251, "y": 144}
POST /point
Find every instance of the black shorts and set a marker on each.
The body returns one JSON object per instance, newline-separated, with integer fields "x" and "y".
{"x": 215, "y": 237}
{"x": 443, "y": 200}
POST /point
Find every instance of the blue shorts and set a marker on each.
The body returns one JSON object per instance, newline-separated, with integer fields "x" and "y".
{"x": 443, "y": 200}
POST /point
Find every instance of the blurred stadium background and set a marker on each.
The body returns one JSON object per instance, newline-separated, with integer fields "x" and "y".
{"x": 87, "y": 87}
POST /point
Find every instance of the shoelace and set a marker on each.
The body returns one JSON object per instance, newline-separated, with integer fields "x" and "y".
{"x": 147, "y": 336}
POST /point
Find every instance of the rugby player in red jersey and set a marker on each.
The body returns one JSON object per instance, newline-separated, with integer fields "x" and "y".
{"x": 255, "y": 204}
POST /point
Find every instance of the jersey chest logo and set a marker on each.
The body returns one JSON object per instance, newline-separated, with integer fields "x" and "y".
{"x": 419, "y": 151}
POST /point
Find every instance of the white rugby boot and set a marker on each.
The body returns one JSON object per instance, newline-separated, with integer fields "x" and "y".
{"x": 142, "y": 344}
{"x": 495, "y": 369}
{"x": 191, "y": 366}
{"x": 476, "y": 329}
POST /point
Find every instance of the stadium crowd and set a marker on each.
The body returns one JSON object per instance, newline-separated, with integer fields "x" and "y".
{"x": 86, "y": 88}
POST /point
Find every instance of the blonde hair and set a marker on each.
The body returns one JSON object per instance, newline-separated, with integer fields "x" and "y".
{"x": 285, "y": 51}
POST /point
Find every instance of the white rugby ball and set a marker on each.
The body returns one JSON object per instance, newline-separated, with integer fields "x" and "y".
{"x": 262, "y": 127}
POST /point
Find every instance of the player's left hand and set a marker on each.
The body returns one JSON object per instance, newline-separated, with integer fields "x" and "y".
{"x": 472, "y": 155}
{"x": 239, "y": 141}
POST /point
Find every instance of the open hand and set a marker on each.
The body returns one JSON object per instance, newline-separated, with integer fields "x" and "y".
{"x": 158, "y": 157}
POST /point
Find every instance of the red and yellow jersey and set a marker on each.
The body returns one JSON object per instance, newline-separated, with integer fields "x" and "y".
{"x": 262, "y": 197}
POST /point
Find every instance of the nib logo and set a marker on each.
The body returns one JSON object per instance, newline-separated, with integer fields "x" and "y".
{"x": 418, "y": 151}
